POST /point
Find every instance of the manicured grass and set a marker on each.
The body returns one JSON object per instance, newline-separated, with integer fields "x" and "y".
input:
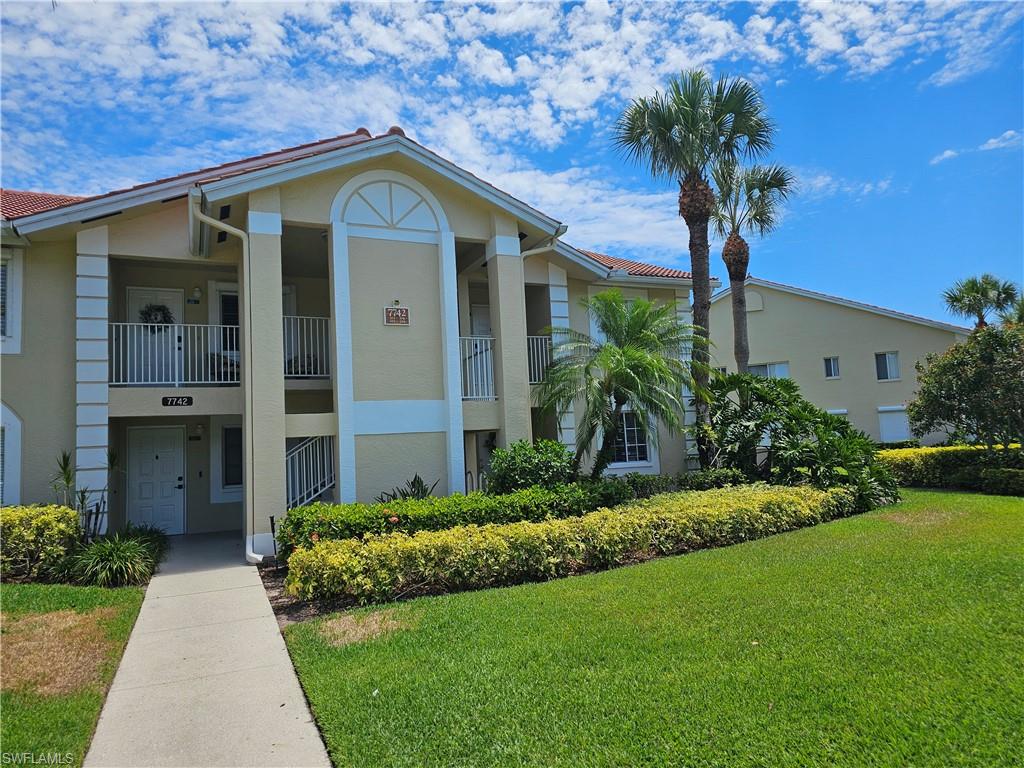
{"x": 61, "y": 646}
{"x": 892, "y": 638}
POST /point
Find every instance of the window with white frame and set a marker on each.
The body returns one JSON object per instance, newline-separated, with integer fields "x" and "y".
{"x": 231, "y": 443}
{"x": 778, "y": 370}
{"x": 831, "y": 367}
{"x": 631, "y": 441}
{"x": 887, "y": 366}
{"x": 10, "y": 300}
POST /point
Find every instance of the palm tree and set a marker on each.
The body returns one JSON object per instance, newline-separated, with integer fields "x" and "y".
{"x": 682, "y": 134}
{"x": 748, "y": 198}
{"x": 1013, "y": 314}
{"x": 977, "y": 296}
{"x": 640, "y": 362}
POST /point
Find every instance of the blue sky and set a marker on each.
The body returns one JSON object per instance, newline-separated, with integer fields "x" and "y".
{"x": 903, "y": 122}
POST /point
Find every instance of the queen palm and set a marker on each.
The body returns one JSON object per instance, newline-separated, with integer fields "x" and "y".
{"x": 975, "y": 297}
{"x": 682, "y": 134}
{"x": 636, "y": 361}
{"x": 748, "y": 199}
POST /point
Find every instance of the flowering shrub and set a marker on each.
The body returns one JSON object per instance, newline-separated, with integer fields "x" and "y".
{"x": 396, "y": 565}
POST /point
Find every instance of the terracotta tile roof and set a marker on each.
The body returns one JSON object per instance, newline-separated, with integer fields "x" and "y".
{"x": 637, "y": 268}
{"x": 28, "y": 203}
{"x": 16, "y": 202}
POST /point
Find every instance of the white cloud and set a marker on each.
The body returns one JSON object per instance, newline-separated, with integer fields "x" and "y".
{"x": 816, "y": 184}
{"x": 1004, "y": 140}
{"x": 948, "y": 154}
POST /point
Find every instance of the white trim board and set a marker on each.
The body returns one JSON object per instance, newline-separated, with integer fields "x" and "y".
{"x": 758, "y": 282}
{"x": 12, "y": 456}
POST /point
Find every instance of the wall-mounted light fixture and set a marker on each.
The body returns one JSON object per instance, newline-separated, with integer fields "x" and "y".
{"x": 197, "y": 293}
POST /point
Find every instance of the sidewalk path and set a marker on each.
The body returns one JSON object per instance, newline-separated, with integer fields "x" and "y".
{"x": 206, "y": 679}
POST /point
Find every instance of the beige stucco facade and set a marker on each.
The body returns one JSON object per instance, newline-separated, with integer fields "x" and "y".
{"x": 801, "y": 329}
{"x": 276, "y": 345}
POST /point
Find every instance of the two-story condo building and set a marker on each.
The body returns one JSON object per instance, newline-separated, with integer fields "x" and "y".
{"x": 850, "y": 358}
{"x": 333, "y": 318}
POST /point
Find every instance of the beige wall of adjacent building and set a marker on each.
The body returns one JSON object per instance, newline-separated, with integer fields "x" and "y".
{"x": 38, "y": 384}
{"x": 804, "y": 331}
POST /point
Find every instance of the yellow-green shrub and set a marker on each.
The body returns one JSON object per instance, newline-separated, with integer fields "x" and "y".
{"x": 391, "y": 566}
{"x": 958, "y": 466}
{"x": 35, "y": 538}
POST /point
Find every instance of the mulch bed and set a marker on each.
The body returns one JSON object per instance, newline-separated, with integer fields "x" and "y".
{"x": 287, "y": 609}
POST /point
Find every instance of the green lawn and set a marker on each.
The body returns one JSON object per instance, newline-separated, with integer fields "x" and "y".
{"x": 892, "y": 638}
{"x": 60, "y": 646}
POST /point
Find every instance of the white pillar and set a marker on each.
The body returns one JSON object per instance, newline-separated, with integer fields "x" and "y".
{"x": 344, "y": 386}
{"x": 92, "y": 302}
{"x": 558, "y": 297}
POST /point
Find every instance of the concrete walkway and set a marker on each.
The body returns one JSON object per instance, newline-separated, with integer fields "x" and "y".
{"x": 206, "y": 679}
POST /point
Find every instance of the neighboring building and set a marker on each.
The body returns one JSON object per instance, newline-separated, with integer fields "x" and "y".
{"x": 331, "y": 318}
{"x": 849, "y": 358}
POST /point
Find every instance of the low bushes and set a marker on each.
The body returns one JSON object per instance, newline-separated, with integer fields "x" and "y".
{"x": 391, "y": 566}
{"x": 304, "y": 526}
{"x": 35, "y": 539}
{"x": 115, "y": 561}
{"x": 610, "y": 491}
{"x": 949, "y": 467}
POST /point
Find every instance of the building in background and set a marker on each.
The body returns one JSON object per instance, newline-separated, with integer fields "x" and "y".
{"x": 849, "y": 358}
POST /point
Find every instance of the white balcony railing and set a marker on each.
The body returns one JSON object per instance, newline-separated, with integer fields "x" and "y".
{"x": 174, "y": 354}
{"x": 477, "y": 367}
{"x": 307, "y": 347}
{"x": 538, "y": 355}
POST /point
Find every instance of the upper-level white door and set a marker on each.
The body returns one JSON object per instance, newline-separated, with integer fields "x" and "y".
{"x": 155, "y": 356}
{"x": 156, "y": 477}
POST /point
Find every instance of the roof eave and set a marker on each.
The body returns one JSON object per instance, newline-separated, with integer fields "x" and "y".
{"x": 849, "y": 303}
{"x": 389, "y": 145}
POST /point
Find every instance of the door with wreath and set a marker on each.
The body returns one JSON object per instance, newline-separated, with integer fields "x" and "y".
{"x": 155, "y": 344}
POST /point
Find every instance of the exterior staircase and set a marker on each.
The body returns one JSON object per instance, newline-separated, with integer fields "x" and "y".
{"x": 309, "y": 467}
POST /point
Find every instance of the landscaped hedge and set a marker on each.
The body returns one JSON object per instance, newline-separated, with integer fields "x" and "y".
{"x": 35, "y": 539}
{"x": 949, "y": 467}
{"x": 397, "y": 565}
{"x": 304, "y": 526}
{"x": 1003, "y": 482}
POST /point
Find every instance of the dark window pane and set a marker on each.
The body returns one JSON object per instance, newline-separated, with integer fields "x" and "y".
{"x": 881, "y": 368}
{"x": 231, "y": 447}
{"x": 229, "y": 316}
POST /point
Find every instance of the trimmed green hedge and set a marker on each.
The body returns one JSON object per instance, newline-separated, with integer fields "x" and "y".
{"x": 304, "y": 526}
{"x": 1003, "y": 482}
{"x": 959, "y": 466}
{"x": 35, "y": 539}
{"x": 398, "y": 565}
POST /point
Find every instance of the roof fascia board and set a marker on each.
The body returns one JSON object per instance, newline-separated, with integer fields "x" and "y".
{"x": 235, "y": 185}
{"x": 94, "y": 209}
{"x": 571, "y": 254}
{"x": 849, "y": 303}
{"x": 657, "y": 282}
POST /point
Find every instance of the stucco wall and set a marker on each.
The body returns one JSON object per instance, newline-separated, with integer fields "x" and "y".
{"x": 386, "y": 461}
{"x": 39, "y": 383}
{"x": 395, "y": 362}
{"x": 804, "y": 331}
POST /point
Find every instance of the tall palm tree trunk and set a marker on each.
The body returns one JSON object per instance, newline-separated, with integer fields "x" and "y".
{"x": 696, "y": 201}
{"x": 736, "y": 255}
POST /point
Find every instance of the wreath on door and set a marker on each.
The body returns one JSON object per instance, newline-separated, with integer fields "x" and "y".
{"x": 155, "y": 316}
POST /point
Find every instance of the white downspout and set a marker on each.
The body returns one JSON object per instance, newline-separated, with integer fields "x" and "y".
{"x": 251, "y": 556}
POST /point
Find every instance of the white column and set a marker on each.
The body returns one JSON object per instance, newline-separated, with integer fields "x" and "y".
{"x": 685, "y": 315}
{"x": 453, "y": 364}
{"x": 92, "y": 292}
{"x": 344, "y": 388}
{"x": 558, "y": 297}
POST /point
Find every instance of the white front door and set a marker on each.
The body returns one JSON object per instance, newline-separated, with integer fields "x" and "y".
{"x": 156, "y": 477}
{"x": 156, "y": 350}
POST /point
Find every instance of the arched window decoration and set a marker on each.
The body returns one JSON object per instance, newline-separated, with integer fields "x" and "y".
{"x": 390, "y": 205}
{"x": 10, "y": 457}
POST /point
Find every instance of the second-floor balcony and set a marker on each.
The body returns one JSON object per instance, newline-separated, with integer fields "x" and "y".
{"x": 179, "y": 354}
